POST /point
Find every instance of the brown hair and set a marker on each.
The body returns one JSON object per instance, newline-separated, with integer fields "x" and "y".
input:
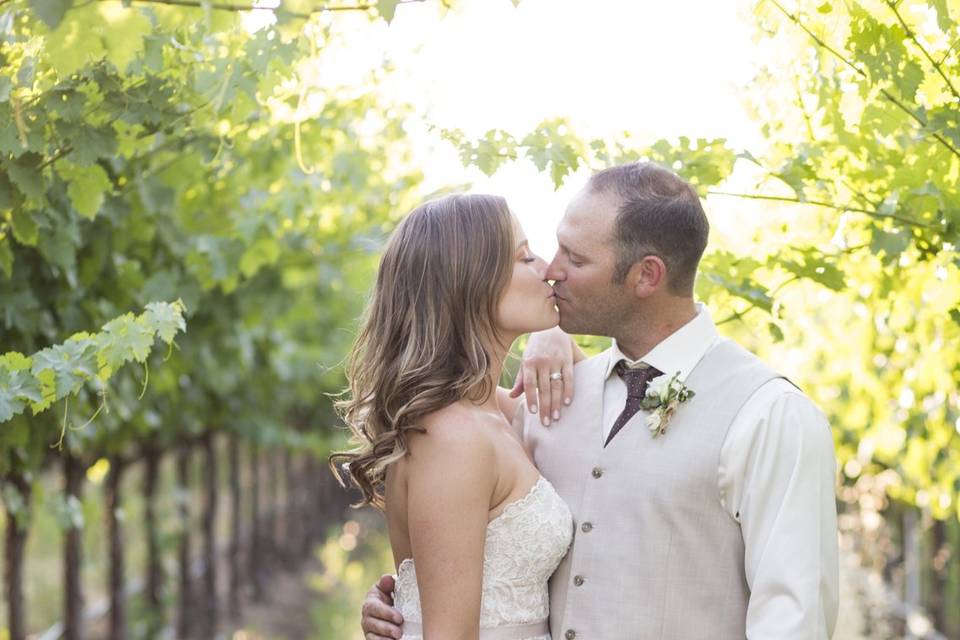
{"x": 660, "y": 214}
{"x": 424, "y": 341}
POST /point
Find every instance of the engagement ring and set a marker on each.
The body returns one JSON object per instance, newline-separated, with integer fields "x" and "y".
{"x": 556, "y": 375}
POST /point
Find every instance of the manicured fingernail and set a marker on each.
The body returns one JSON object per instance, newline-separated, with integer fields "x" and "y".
{"x": 556, "y": 414}
{"x": 566, "y": 401}
{"x": 546, "y": 421}
{"x": 533, "y": 408}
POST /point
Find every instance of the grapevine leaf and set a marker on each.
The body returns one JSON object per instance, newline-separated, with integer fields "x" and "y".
{"x": 745, "y": 288}
{"x": 10, "y": 402}
{"x": 9, "y": 196}
{"x": 86, "y": 188}
{"x": 944, "y": 21}
{"x": 124, "y": 339}
{"x": 14, "y": 361}
{"x": 6, "y": 256}
{"x": 25, "y": 173}
{"x": 813, "y": 265}
{"x": 77, "y": 41}
{"x": 955, "y": 316}
{"x": 51, "y": 11}
{"x": 551, "y": 146}
{"x": 9, "y": 136}
{"x": 24, "y": 227}
{"x": 17, "y": 385}
{"x": 90, "y": 143}
{"x": 48, "y": 390}
{"x": 68, "y": 104}
{"x": 134, "y": 25}
{"x": 775, "y": 331}
{"x": 945, "y": 120}
{"x": 387, "y": 9}
{"x": 165, "y": 319}
{"x": 73, "y": 362}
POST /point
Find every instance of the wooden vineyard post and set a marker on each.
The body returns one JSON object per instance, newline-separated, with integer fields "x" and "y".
{"x": 256, "y": 547}
{"x": 151, "y": 460}
{"x": 273, "y": 510}
{"x": 209, "y": 535}
{"x": 291, "y": 543}
{"x": 14, "y": 543}
{"x": 317, "y": 504}
{"x": 183, "y": 560}
{"x": 939, "y": 552}
{"x": 236, "y": 516}
{"x": 266, "y": 517}
{"x": 118, "y": 605}
{"x": 73, "y": 470}
{"x": 308, "y": 514}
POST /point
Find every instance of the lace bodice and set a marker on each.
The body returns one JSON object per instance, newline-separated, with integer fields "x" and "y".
{"x": 524, "y": 544}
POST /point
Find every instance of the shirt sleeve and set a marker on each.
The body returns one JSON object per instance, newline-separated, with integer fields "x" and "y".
{"x": 776, "y": 478}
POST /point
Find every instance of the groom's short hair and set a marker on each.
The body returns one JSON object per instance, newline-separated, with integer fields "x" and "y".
{"x": 659, "y": 214}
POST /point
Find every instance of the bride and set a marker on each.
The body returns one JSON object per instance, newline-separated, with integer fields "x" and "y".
{"x": 475, "y": 530}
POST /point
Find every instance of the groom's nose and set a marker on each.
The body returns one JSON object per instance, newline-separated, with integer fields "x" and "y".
{"x": 554, "y": 272}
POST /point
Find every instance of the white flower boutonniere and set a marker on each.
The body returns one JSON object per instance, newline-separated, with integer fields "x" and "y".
{"x": 664, "y": 394}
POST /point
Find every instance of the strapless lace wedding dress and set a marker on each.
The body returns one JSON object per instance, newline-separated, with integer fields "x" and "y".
{"x": 524, "y": 545}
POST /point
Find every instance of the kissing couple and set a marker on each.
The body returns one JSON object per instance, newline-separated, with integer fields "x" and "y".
{"x": 672, "y": 487}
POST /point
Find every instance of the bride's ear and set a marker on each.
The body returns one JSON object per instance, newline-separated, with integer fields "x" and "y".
{"x": 647, "y": 275}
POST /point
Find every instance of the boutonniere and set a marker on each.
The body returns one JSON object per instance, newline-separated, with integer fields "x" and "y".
{"x": 664, "y": 394}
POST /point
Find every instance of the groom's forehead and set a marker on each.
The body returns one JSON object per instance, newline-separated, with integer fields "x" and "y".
{"x": 583, "y": 234}
{"x": 590, "y": 212}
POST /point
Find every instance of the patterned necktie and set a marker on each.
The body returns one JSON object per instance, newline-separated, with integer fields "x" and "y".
{"x": 637, "y": 380}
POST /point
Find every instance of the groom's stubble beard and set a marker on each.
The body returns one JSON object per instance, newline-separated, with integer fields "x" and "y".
{"x": 604, "y": 314}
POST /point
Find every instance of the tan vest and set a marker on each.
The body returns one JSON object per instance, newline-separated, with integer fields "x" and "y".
{"x": 655, "y": 555}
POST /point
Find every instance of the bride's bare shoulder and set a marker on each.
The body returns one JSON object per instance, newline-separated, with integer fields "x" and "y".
{"x": 452, "y": 430}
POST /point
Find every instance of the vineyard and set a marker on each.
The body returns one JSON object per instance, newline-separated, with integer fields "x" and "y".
{"x": 190, "y": 219}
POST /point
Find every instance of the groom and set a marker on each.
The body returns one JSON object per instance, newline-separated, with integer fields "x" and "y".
{"x": 713, "y": 517}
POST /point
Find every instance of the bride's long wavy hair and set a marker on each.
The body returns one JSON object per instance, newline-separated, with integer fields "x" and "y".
{"x": 425, "y": 338}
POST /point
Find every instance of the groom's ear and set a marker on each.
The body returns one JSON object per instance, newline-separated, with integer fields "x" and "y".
{"x": 647, "y": 275}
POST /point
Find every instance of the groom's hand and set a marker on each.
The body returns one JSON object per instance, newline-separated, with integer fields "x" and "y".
{"x": 380, "y": 620}
{"x": 547, "y": 352}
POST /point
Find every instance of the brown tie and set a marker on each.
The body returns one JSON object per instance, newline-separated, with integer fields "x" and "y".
{"x": 637, "y": 381}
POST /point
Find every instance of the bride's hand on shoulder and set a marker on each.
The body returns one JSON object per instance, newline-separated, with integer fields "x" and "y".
{"x": 548, "y": 353}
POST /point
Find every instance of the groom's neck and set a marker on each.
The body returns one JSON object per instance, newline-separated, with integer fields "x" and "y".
{"x": 652, "y": 324}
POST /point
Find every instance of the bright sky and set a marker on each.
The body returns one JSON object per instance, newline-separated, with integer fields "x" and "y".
{"x": 657, "y": 69}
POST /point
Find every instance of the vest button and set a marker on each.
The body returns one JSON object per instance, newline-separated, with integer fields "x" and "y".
{"x": 570, "y": 634}
{"x": 586, "y": 527}
{"x": 597, "y": 472}
{"x": 578, "y": 580}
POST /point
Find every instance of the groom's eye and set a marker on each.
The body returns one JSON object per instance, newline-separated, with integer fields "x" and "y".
{"x": 574, "y": 259}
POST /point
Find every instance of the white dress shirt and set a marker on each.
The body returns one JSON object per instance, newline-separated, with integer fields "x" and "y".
{"x": 776, "y": 477}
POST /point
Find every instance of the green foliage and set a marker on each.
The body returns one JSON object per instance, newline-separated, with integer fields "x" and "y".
{"x": 56, "y": 372}
{"x": 870, "y": 129}
{"x": 551, "y": 147}
{"x": 155, "y": 152}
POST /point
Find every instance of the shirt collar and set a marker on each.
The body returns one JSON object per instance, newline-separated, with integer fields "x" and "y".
{"x": 680, "y": 351}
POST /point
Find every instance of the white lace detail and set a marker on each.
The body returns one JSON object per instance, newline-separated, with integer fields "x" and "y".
{"x": 524, "y": 545}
